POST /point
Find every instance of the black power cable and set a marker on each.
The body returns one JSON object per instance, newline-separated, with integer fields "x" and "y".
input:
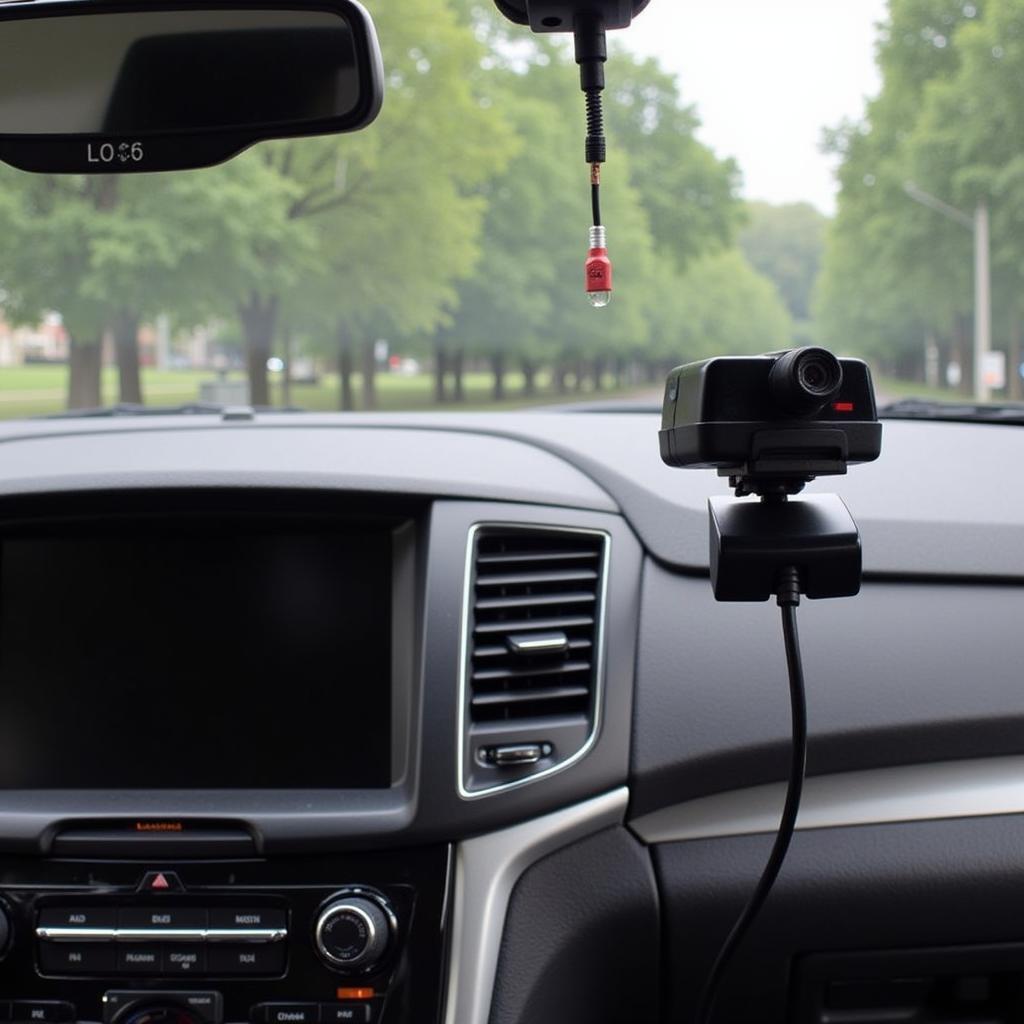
{"x": 591, "y": 54}
{"x": 788, "y": 599}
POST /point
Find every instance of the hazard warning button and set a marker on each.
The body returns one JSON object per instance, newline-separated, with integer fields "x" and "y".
{"x": 161, "y": 881}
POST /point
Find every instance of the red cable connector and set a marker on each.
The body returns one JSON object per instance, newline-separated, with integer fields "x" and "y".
{"x": 599, "y": 269}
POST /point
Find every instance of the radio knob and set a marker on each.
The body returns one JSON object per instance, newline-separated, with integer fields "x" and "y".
{"x": 158, "y": 1014}
{"x": 353, "y": 933}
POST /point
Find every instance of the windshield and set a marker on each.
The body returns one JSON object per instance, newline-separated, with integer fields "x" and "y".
{"x": 784, "y": 174}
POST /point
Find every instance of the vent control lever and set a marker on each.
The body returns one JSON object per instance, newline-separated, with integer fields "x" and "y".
{"x": 523, "y": 753}
{"x": 538, "y": 643}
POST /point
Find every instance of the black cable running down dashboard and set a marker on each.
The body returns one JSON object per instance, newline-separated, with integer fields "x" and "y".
{"x": 788, "y": 599}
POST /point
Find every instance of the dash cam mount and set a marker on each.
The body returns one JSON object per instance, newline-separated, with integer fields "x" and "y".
{"x": 772, "y": 424}
{"x": 559, "y": 15}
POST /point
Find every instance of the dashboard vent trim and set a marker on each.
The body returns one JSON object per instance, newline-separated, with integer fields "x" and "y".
{"x": 532, "y": 644}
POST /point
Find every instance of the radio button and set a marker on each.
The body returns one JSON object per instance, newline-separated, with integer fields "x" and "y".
{"x": 162, "y": 918}
{"x": 140, "y": 960}
{"x": 43, "y": 1013}
{"x": 184, "y": 960}
{"x": 246, "y": 959}
{"x": 343, "y": 1013}
{"x": 230, "y": 918}
{"x": 77, "y": 917}
{"x": 63, "y": 958}
{"x": 286, "y": 1013}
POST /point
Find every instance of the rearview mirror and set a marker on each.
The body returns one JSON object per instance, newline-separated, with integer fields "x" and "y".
{"x": 156, "y": 85}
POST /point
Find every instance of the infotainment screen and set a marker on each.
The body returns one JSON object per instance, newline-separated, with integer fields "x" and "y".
{"x": 208, "y": 657}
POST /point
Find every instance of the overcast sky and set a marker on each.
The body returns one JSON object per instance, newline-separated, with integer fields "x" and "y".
{"x": 766, "y": 77}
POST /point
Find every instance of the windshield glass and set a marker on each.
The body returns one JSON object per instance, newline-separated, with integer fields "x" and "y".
{"x": 784, "y": 174}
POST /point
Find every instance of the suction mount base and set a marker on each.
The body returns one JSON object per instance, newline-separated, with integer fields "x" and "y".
{"x": 754, "y": 542}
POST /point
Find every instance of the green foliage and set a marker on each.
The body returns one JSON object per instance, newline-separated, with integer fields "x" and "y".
{"x": 91, "y": 247}
{"x": 721, "y": 305}
{"x": 667, "y": 201}
{"x": 895, "y": 272}
{"x": 786, "y": 244}
{"x": 527, "y": 297}
{"x": 688, "y": 193}
{"x": 459, "y": 218}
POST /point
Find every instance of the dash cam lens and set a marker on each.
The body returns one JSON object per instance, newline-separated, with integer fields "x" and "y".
{"x": 814, "y": 377}
{"x": 805, "y": 380}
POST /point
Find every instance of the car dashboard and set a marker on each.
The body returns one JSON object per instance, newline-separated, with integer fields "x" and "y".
{"x": 433, "y": 718}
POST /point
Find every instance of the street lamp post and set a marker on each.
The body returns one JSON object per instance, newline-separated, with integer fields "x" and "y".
{"x": 978, "y": 225}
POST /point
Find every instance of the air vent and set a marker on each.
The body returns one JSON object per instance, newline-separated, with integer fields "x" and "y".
{"x": 533, "y": 649}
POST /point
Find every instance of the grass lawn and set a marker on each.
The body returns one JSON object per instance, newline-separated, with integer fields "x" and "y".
{"x": 39, "y": 390}
{"x": 891, "y": 389}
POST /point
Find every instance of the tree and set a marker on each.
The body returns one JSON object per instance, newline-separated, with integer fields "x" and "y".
{"x": 897, "y": 276}
{"x": 373, "y": 227}
{"x": 688, "y": 193}
{"x": 102, "y": 251}
{"x": 673, "y": 203}
{"x": 720, "y": 305}
{"x": 965, "y": 145}
{"x": 786, "y": 244}
{"x": 526, "y": 303}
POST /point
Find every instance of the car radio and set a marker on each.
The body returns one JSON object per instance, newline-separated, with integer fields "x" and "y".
{"x": 290, "y": 941}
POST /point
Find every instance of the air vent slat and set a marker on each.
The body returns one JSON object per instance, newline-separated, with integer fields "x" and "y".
{"x": 521, "y": 625}
{"x": 564, "y": 669}
{"x": 533, "y": 579}
{"x": 548, "y": 693}
{"x": 543, "y": 584}
{"x": 534, "y": 601}
{"x": 547, "y": 556}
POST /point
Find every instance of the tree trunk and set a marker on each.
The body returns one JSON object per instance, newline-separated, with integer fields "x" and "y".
{"x": 369, "y": 375}
{"x": 85, "y": 365}
{"x": 932, "y": 361}
{"x": 440, "y": 369}
{"x": 346, "y": 397}
{"x": 287, "y": 344}
{"x": 259, "y": 321}
{"x": 579, "y": 382}
{"x": 1013, "y": 357}
{"x": 965, "y": 353}
{"x": 498, "y": 368}
{"x": 599, "y": 375}
{"x": 529, "y": 378}
{"x": 125, "y": 328}
{"x": 85, "y": 358}
{"x": 458, "y": 374}
{"x": 560, "y": 373}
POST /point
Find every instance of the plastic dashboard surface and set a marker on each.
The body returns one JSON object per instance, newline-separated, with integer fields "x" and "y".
{"x": 940, "y": 502}
{"x": 919, "y": 668}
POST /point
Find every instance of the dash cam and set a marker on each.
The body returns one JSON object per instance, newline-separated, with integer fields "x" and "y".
{"x": 771, "y": 423}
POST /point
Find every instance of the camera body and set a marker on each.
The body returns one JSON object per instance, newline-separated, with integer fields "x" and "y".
{"x": 771, "y": 422}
